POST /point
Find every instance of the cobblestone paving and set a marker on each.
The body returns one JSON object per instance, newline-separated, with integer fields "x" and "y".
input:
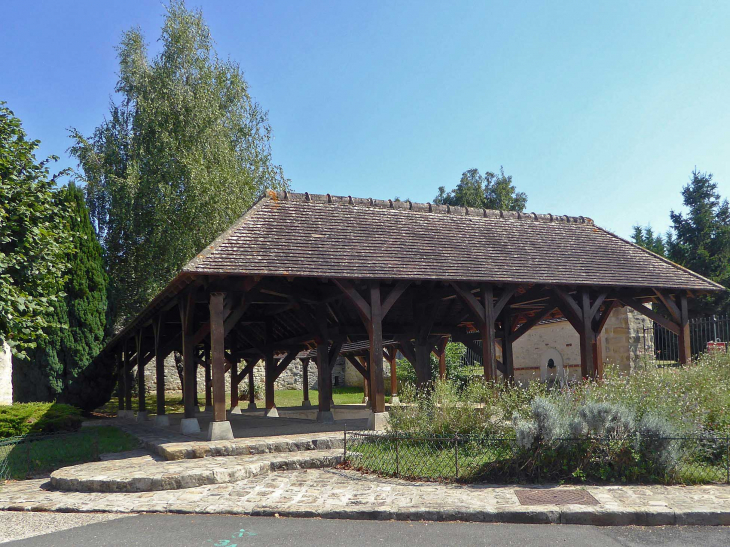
{"x": 337, "y": 493}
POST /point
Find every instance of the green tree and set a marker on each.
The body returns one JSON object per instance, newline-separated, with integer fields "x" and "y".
{"x": 182, "y": 155}
{"x": 700, "y": 238}
{"x": 645, "y": 237}
{"x": 60, "y": 359}
{"x": 33, "y": 238}
{"x": 488, "y": 191}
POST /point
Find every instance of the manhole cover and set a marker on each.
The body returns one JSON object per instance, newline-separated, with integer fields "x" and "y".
{"x": 555, "y": 496}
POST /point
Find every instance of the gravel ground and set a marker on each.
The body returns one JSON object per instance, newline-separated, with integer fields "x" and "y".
{"x": 24, "y": 524}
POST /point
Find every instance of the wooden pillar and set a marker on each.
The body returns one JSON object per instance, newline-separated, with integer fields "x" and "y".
{"x": 685, "y": 348}
{"x": 423, "y": 366}
{"x": 234, "y": 384}
{"x": 216, "y": 357}
{"x": 141, "y": 401}
{"x": 377, "y": 387}
{"x": 161, "y": 418}
{"x": 187, "y": 304}
{"x": 127, "y": 378}
{"x": 489, "y": 346}
{"x": 323, "y": 374}
{"x": 270, "y": 369}
{"x": 120, "y": 381}
{"x": 393, "y": 375}
{"x": 305, "y": 382}
{"x": 251, "y": 388}
{"x": 587, "y": 337}
{"x": 208, "y": 378}
{"x": 507, "y": 354}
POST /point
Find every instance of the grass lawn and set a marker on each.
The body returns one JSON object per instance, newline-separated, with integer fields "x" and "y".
{"x": 282, "y": 398}
{"x": 29, "y": 459}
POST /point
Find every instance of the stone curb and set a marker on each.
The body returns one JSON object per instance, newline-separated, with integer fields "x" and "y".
{"x": 176, "y": 475}
{"x": 522, "y": 515}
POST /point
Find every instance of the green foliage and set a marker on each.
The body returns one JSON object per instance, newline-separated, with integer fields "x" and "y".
{"x": 57, "y": 367}
{"x": 488, "y": 191}
{"x": 33, "y": 239}
{"x": 701, "y": 238}
{"x": 24, "y": 418}
{"x": 645, "y": 237}
{"x": 182, "y": 155}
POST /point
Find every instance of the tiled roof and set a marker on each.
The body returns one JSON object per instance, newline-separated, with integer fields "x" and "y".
{"x": 292, "y": 234}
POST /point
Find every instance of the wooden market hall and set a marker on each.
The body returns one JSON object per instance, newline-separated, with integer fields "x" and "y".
{"x": 317, "y": 276}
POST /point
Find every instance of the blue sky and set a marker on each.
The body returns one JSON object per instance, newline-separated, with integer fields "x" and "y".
{"x": 595, "y": 108}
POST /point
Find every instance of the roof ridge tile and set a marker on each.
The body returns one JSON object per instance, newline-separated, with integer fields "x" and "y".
{"x": 409, "y": 205}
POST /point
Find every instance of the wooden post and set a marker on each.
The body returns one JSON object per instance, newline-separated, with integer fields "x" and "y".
{"x": 377, "y": 387}
{"x": 217, "y": 356}
{"x": 269, "y": 371}
{"x": 393, "y": 376}
{"x": 587, "y": 337}
{"x": 120, "y": 382}
{"x": 251, "y": 389}
{"x": 489, "y": 347}
{"x": 234, "y": 384}
{"x": 141, "y": 402}
{"x": 423, "y": 366}
{"x": 323, "y": 373}
{"x": 187, "y": 310}
{"x": 507, "y": 354}
{"x": 208, "y": 378}
{"x": 161, "y": 418}
{"x": 685, "y": 348}
{"x": 366, "y": 398}
{"x": 305, "y": 382}
{"x": 127, "y": 378}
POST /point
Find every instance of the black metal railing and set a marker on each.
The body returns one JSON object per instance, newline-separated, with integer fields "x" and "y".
{"x": 707, "y": 335}
{"x": 670, "y": 460}
{"x": 32, "y": 455}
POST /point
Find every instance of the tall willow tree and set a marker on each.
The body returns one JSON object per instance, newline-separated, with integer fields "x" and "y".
{"x": 181, "y": 155}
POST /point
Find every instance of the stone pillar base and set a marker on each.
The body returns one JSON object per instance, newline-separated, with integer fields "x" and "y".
{"x": 271, "y": 412}
{"x": 121, "y": 414}
{"x": 252, "y": 406}
{"x": 325, "y": 417}
{"x": 220, "y": 431}
{"x": 378, "y": 420}
{"x": 394, "y": 400}
{"x": 189, "y": 426}
{"x": 162, "y": 420}
{"x": 306, "y": 404}
{"x": 142, "y": 416}
{"x": 365, "y": 400}
{"x": 235, "y": 410}
{"x": 332, "y": 402}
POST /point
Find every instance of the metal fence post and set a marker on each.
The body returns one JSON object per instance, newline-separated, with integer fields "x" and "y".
{"x": 397, "y": 457}
{"x": 344, "y": 444}
{"x": 727, "y": 458}
{"x": 456, "y": 454}
{"x": 95, "y": 444}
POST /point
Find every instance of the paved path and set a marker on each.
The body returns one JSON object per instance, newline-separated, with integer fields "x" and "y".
{"x": 193, "y": 531}
{"x": 334, "y": 493}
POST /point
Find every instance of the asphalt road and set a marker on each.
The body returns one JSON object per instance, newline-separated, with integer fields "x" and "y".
{"x": 230, "y": 531}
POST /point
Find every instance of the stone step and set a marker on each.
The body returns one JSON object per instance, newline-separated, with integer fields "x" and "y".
{"x": 145, "y": 473}
{"x": 172, "y": 446}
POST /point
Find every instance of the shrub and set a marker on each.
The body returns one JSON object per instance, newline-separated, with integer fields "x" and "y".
{"x": 258, "y": 391}
{"x": 24, "y": 418}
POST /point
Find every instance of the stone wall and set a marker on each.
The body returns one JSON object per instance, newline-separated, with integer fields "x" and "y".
{"x": 6, "y": 375}
{"x": 622, "y": 339}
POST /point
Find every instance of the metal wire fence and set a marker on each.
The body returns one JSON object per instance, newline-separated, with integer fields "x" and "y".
{"x": 675, "y": 460}
{"x": 32, "y": 455}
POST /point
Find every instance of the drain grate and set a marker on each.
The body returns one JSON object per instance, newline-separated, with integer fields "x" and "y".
{"x": 555, "y": 496}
